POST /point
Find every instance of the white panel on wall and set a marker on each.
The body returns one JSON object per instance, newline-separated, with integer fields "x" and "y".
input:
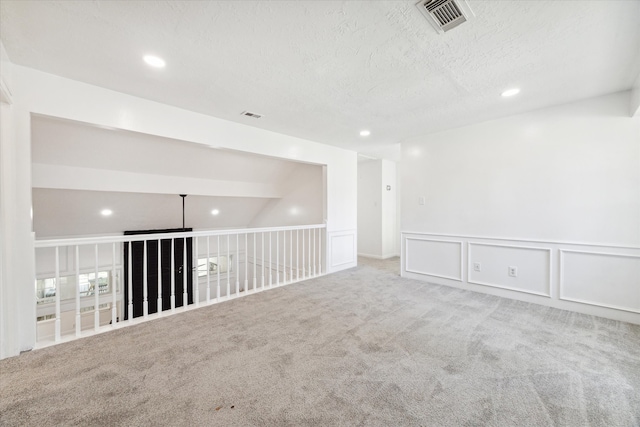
{"x": 439, "y": 258}
{"x": 343, "y": 248}
{"x": 533, "y": 267}
{"x": 596, "y": 280}
{"x": 370, "y": 208}
{"x": 599, "y": 278}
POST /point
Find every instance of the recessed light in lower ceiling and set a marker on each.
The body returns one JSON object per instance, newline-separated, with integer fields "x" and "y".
{"x": 215, "y": 212}
{"x": 106, "y": 212}
{"x": 510, "y": 92}
{"x": 154, "y": 61}
{"x": 365, "y": 133}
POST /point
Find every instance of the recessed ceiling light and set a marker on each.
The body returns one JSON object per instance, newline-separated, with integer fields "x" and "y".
{"x": 215, "y": 212}
{"x": 106, "y": 212}
{"x": 154, "y": 61}
{"x": 510, "y": 92}
{"x": 365, "y": 133}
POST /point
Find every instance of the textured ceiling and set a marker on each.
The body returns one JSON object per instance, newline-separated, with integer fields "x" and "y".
{"x": 323, "y": 70}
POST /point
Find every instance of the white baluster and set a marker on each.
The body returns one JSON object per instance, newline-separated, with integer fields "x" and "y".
{"x": 320, "y": 250}
{"x": 237, "y": 265}
{"x": 277, "y": 258}
{"x": 255, "y": 263}
{"x": 159, "y": 300}
{"x": 309, "y": 256}
{"x": 291, "y": 255}
{"x": 314, "y": 253}
{"x": 270, "y": 262}
{"x": 196, "y": 280}
{"x": 173, "y": 275}
{"x": 297, "y": 254}
{"x": 145, "y": 284}
{"x": 130, "y": 285}
{"x": 114, "y": 287}
{"x": 246, "y": 265}
{"x": 208, "y": 268}
{"x": 218, "y": 270}
{"x": 58, "y": 320}
{"x": 185, "y": 275}
{"x": 304, "y": 270}
{"x": 229, "y": 264}
{"x": 96, "y": 294}
{"x": 78, "y": 317}
{"x": 262, "y": 261}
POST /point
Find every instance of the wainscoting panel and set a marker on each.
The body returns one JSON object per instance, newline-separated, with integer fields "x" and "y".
{"x": 342, "y": 250}
{"x": 533, "y": 267}
{"x": 438, "y": 258}
{"x": 601, "y": 278}
{"x": 591, "y": 278}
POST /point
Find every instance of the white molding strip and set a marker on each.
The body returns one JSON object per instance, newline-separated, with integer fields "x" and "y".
{"x": 549, "y": 279}
{"x": 513, "y": 239}
{"x": 360, "y": 254}
{"x": 406, "y": 251}
{"x": 376, "y": 256}
{"x": 561, "y": 283}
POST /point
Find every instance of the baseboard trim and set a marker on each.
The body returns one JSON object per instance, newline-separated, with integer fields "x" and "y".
{"x": 378, "y": 256}
{"x": 573, "y": 306}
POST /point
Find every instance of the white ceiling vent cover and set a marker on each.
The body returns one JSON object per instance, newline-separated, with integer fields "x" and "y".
{"x": 445, "y": 15}
{"x": 252, "y": 115}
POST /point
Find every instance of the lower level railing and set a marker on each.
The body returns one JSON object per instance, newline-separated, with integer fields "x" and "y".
{"x": 88, "y": 285}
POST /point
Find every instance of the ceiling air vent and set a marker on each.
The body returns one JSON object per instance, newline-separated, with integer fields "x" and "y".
{"x": 445, "y": 15}
{"x": 250, "y": 114}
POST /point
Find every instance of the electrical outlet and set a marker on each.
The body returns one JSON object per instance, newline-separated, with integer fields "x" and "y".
{"x": 477, "y": 266}
{"x": 513, "y": 271}
{"x": 421, "y": 201}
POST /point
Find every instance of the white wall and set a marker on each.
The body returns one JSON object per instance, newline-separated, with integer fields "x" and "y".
{"x": 302, "y": 203}
{"x": 635, "y": 98}
{"x": 554, "y": 192}
{"x": 9, "y": 344}
{"x": 79, "y": 169}
{"x": 40, "y": 93}
{"x": 377, "y": 225}
{"x": 389, "y": 201}
{"x": 370, "y": 208}
{"x": 74, "y": 155}
{"x": 17, "y": 263}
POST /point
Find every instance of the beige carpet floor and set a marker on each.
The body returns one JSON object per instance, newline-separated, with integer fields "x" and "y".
{"x": 360, "y": 347}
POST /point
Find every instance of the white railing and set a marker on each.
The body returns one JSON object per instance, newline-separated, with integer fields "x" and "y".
{"x": 141, "y": 277}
